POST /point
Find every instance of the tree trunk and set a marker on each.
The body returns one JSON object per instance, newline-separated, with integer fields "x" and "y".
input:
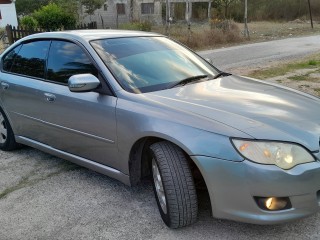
{"x": 310, "y": 12}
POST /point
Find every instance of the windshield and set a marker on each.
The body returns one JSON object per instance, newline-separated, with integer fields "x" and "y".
{"x": 145, "y": 64}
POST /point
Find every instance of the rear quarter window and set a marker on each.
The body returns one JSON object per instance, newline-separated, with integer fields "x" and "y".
{"x": 31, "y": 59}
{"x": 8, "y": 59}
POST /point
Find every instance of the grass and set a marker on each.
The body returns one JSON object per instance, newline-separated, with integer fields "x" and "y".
{"x": 276, "y": 30}
{"x": 1, "y": 47}
{"x": 303, "y": 75}
{"x": 313, "y": 63}
{"x": 202, "y": 36}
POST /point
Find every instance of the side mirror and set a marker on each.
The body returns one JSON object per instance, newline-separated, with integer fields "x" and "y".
{"x": 83, "y": 83}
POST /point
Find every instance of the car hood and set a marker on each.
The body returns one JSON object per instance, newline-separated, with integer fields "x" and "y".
{"x": 261, "y": 110}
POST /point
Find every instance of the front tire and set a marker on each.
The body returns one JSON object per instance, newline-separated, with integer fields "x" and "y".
{"x": 7, "y": 140}
{"x": 173, "y": 185}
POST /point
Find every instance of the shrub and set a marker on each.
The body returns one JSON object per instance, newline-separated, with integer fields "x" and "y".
{"x": 29, "y": 22}
{"x": 141, "y": 26}
{"x": 312, "y": 62}
{"x": 203, "y": 38}
{"x": 53, "y": 17}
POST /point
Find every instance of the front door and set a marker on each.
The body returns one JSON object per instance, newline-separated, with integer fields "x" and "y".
{"x": 83, "y": 124}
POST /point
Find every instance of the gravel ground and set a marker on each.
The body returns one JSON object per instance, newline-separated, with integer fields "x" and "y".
{"x": 44, "y": 197}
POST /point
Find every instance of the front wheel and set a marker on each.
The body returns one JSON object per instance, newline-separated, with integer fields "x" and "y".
{"x": 173, "y": 185}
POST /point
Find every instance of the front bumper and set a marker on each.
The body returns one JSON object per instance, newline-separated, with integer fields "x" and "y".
{"x": 233, "y": 185}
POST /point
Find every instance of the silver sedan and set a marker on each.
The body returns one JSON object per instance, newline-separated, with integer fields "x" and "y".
{"x": 132, "y": 105}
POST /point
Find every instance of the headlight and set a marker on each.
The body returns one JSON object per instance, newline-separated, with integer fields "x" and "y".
{"x": 284, "y": 155}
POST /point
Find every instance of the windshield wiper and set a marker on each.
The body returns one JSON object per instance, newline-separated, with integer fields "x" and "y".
{"x": 188, "y": 80}
{"x": 222, "y": 74}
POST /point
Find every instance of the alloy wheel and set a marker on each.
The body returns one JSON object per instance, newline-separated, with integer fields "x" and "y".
{"x": 3, "y": 129}
{"x": 159, "y": 186}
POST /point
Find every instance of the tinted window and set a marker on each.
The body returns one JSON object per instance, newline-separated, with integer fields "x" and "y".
{"x": 144, "y": 64}
{"x": 67, "y": 59}
{"x": 30, "y": 60}
{"x": 9, "y": 58}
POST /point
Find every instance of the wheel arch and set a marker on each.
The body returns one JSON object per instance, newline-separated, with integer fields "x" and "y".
{"x": 139, "y": 163}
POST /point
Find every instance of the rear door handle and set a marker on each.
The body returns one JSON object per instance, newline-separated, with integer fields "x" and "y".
{"x": 4, "y": 85}
{"x": 49, "y": 97}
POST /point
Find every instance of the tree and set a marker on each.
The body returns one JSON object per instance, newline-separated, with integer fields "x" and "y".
{"x": 28, "y": 22}
{"x": 69, "y": 6}
{"x": 226, "y": 4}
{"x": 26, "y": 7}
{"x": 53, "y": 17}
{"x": 92, "y": 5}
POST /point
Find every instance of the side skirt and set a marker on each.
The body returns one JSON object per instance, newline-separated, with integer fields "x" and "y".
{"x": 100, "y": 168}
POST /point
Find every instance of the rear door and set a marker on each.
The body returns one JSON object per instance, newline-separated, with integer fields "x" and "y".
{"x": 21, "y": 77}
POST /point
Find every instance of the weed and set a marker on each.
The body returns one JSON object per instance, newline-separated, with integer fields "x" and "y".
{"x": 317, "y": 90}
{"x": 141, "y": 26}
{"x": 313, "y": 63}
{"x": 286, "y": 68}
{"x": 299, "y": 77}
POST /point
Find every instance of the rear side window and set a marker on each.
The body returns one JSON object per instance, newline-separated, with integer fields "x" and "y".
{"x": 30, "y": 60}
{"x": 67, "y": 59}
{"x": 9, "y": 58}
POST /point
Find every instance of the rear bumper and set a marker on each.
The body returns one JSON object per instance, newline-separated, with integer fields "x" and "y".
{"x": 233, "y": 185}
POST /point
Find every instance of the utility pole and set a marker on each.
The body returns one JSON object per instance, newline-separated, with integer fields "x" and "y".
{"x": 167, "y": 16}
{"x": 310, "y": 14}
{"x": 246, "y": 29}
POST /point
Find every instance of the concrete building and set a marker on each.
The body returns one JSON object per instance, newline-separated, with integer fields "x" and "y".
{"x": 8, "y": 13}
{"x": 116, "y": 12}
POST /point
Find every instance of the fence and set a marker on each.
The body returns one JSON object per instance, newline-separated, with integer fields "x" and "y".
{"x": 16, "y": 33}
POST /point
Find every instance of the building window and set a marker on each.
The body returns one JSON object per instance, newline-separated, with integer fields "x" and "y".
{"x": 121, "y": 9}
{"x": 105, "y": 7}
{"x": 147, "y": 8}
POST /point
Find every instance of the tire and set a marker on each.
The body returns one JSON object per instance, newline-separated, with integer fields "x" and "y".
{"x": 173, "y": 185}
{"x": 7, "y": 140}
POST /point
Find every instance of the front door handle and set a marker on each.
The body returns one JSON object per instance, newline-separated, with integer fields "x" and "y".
{"x": 49, "y": 97}
{"x": 4, "y": 85}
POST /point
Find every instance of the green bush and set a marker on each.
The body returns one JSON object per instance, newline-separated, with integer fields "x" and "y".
{"x": 28, "y": 22}
{"x": 141, "y": 26}
{"x": 312, "y": 62}
{"x": 53, "y": 17}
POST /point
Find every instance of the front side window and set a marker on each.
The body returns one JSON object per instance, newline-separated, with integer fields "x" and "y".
{"x": 30, "y": 61}
{"x": 144, "y": 64}
{"x": 67, "y": 59}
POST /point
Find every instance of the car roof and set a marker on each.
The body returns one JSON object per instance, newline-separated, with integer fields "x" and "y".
{"x": 89, "y": 35}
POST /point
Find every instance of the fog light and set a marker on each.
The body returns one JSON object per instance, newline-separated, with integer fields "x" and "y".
{"x": 273, "y": 203}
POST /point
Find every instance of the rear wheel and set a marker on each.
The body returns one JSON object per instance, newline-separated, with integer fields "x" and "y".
{"x": 173, "y": 185}
{"x": 7, "y": 141}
